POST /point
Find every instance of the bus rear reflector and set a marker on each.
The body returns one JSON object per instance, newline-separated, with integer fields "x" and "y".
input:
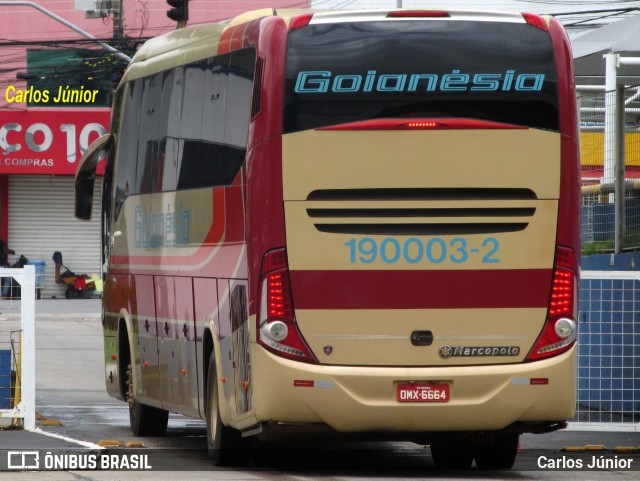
{"x": 560, "y": 329}
{"x": 418, "y": 14}
{"x": 536, "y": 21}
{"x": 273, "y": 261}
{"x": 422, "y": 124}
{"x": 277, "y": 328}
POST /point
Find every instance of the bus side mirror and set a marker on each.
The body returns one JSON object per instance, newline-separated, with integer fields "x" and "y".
{"x": 84, "y": 198}
{"x": 86, "y": 175}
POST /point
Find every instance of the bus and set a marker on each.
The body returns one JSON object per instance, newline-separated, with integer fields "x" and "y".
{"x": 344, "y": 222}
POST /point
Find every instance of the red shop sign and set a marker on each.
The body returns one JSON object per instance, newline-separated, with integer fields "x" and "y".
{"x": 48, "y": 141}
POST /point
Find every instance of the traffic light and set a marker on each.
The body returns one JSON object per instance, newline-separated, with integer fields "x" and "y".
{"x": 180, "y": 10}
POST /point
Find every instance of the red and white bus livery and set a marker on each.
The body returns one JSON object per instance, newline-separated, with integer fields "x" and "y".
{"x": 355, "y": 221}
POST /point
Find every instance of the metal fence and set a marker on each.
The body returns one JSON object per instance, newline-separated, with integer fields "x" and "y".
{"x": 609, "y": 350}
{"x": 17, "y": 348}
{"x": 598, "y": 153}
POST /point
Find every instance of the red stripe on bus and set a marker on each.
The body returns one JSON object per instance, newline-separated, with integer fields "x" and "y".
{"x": 224, "y": 44}
{"x": 569, "y": 204}
{"x": 455, "y": 289}
{"x": 238, "y": 37}
{"x": 233, "y": 38}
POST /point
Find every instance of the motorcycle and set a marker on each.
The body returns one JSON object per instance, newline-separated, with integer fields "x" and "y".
{"x": 78, "y": 286}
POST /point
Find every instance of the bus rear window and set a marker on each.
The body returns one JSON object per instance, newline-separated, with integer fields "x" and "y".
{"x": 347, "y": 72}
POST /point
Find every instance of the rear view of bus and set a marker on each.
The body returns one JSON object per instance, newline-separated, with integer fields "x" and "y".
{"x": 430, "y": 188}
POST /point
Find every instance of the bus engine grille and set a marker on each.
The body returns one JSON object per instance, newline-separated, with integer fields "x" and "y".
{"x": 421, "y": 211}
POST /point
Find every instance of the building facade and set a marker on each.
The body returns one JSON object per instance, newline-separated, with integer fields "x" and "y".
{"x": 59, "y": 71}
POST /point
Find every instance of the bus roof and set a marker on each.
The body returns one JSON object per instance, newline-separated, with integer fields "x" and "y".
{"x": 190, "y": 44}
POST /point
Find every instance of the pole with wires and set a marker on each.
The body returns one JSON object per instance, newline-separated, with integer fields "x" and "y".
{"x": 75, "y": 28}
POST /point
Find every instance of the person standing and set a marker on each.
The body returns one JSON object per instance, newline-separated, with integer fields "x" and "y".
{"x": 4, "y": 262}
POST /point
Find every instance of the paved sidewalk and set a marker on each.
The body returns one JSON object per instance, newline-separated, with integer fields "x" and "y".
{"x": 40, "y": 439}
{"x": 87, "y": 312}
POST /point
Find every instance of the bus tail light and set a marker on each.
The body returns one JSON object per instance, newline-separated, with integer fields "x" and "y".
{"x": 422, "y": 124}
{"x": 277, "y": 328}
{"x": 418, "y": 14}
{"x": 560, "y": 329}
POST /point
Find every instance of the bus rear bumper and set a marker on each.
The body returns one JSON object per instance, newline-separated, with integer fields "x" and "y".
{"x": 364, "y": 399}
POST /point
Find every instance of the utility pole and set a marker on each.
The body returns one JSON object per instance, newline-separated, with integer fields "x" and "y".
{"x": 118, "y": 20}
{"x": 75, "y": 28}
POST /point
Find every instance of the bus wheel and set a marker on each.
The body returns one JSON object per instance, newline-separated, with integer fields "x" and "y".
{"x": 226, "y": 446}
{"x": 500, "y": 454}
{"x": 144, "y": 420}
{"x": 452, "y": 455}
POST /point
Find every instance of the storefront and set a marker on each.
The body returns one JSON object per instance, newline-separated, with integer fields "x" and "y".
{"x": 39, "y": 152}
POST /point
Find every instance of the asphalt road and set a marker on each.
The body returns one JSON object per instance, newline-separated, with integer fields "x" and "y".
{"x": 73, "y": 403}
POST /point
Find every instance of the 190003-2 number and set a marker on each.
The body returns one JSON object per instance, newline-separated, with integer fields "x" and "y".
{"x": 413, "y": 250}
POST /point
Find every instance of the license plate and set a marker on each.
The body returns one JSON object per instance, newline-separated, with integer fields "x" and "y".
{"x": 423, "y": 393}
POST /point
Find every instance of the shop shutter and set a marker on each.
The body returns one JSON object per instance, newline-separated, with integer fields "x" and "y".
{"x": 41, "y": 221}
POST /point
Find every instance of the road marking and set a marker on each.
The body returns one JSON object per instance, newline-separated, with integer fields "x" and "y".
{"x": 68, "y": 439}
{"x": 83, "y": 406}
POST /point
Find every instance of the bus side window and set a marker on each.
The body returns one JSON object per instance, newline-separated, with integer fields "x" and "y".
{"x": 239, "y": 98}
{"x": 107, "y": 189}
{"x": 172, "y": 107}
{"x": 127, "y": 158}
{"x": 214, "y": 153}
{"x": 186, "y": 128}
{"x": 153, "y": 130}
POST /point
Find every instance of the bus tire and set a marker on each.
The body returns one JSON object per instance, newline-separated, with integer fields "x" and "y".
{"x": 145, "y": 420}
{"x": 452, "y": 455}
{"x": 226, "y": 445}
{"x": 499, "y": 454}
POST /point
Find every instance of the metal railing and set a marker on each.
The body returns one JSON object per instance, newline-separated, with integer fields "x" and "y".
{"x": 610, "y": 173}
{"x": 17, "y": 348}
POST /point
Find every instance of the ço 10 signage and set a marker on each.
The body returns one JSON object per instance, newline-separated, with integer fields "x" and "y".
{"x": 48, "y": 141}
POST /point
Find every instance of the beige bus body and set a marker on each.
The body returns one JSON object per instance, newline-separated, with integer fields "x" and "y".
{"x": 471, "y": 248}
